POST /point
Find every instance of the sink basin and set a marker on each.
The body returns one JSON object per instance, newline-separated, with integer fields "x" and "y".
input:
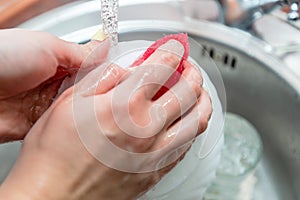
{"x": 258, "y": 85}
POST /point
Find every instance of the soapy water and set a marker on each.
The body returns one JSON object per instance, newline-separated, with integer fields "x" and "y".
{"x": 240, "y": 155}
{"x": 242, "y": 148}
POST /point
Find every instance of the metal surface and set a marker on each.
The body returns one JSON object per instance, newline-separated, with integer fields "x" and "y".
{"x": 258, "y": 85}
{"x": 242, "y": 13}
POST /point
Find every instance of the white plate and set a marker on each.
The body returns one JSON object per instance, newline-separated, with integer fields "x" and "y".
{"x": 190, "y": 178}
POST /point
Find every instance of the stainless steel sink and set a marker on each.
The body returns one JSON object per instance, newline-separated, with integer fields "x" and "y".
{"x": 258, "y": 85}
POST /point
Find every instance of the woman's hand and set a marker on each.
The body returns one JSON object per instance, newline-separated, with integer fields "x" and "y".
{"x": 32, "y": 68}
{"x": 110, "y": 140}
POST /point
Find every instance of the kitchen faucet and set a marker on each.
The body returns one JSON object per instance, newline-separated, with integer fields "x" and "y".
{"x": 241, "y": 13}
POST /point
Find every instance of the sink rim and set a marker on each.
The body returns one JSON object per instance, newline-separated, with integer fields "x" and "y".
{"x": 231, "y": 37}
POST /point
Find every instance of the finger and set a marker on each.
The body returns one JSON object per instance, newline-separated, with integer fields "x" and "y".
{"x": 198, "y": 74}
{"x": 39, "y": 56}
{"x": 183, "y": 95}
{"x": 173, "y": 144}
{"x": 157, "y": 69}
{"x": 72, "y": 55}
{"x": 187, "y": 128}
{"x": 101, "y": 80}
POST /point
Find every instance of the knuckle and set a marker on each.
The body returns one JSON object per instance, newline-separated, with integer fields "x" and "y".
{"x": 195, "y": 87}
{"x": 135, "y": 100}
{"x": 206, "y": 112}
{"x": 206, "y": 96}
{"x": 139, "y": 145}
{"x": 197, "y": 74}
{"x": 169, "y": 59}
{"x": 210, "y": 112}
{"x": 199, "y": 78}
{"x": 129, "y": 101}
{"x": 210, "y": 108}
{"x": 203, "y": 123}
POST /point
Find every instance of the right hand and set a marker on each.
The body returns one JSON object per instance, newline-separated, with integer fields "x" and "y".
{"x": 56, "y": 160}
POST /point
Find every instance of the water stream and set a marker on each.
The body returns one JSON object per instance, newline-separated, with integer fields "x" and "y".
{"x": 110, "y": 19}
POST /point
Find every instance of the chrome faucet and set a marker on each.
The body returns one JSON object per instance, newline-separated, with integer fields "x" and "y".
{"x": 241, "y": 13}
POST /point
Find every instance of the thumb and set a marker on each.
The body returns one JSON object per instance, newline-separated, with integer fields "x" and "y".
{"x": 40, "y": 57}
{"x": 74, "y": 56}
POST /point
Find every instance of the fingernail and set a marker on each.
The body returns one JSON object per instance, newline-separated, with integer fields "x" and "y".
{"x": 99, "y": 35}
{"x": 95, "y": 53}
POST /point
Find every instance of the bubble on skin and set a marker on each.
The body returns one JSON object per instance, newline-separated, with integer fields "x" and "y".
{"x": 36, "y": 97}
{"x": 35, "y": 111}
{"x": 169, "y": 101}
{"x": 37, "y": 108}
{"x": 44, "y": 97}
{"x": 170, "y": 135}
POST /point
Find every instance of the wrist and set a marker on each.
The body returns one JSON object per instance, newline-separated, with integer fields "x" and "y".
{"x": 12, "y": 193}
{"x": 33, "y": 179}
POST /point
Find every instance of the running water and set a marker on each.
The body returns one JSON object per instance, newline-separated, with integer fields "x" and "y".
{"x": 110, "y": 19}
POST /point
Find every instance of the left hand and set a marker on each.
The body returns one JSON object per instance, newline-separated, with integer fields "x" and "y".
{"x": 32, "y": 68}
{"x": 68, "y": 153}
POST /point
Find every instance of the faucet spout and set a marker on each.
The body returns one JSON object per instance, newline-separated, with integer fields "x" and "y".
{"x": 241, "y": 13}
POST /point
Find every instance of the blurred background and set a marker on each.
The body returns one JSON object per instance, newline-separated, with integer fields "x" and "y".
{"x": 14, "y": 12}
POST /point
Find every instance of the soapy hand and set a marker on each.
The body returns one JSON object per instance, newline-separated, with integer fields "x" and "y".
{"x": 32, "y": 67}
{"x": 85, "y": 145}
